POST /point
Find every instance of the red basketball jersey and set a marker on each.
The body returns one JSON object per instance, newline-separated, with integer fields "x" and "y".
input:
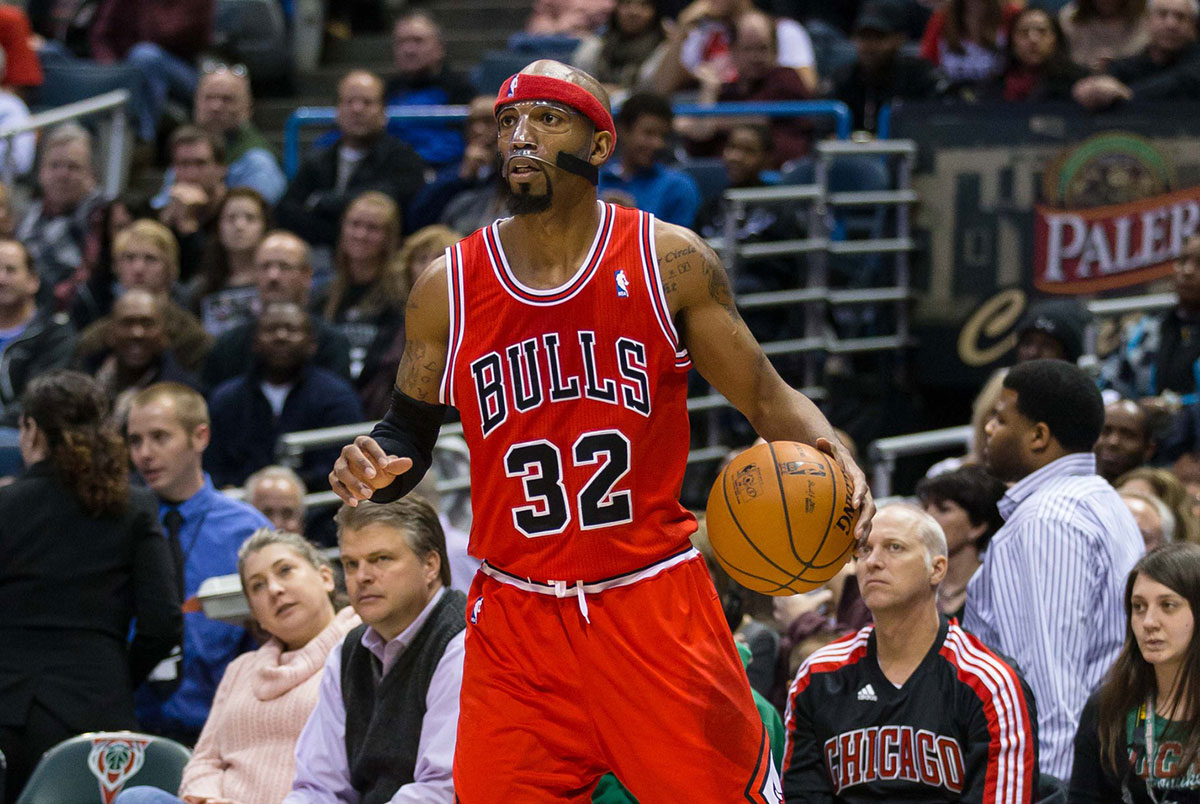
{"x": 574, "y": 405}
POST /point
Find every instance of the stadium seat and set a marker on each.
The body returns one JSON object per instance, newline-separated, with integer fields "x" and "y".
{"x": 709, "y": 175}
{"x": 93, "y": 768}
{"x": 254, "y": 33}
{"x": 495, "y": 67}
{"x": 832, "y": 50}
{"x": 545, "y": 46}
{"x": 67, "y": 82}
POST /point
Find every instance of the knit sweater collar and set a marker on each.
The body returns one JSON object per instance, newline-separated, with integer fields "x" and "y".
{"x": 281, "y": 671}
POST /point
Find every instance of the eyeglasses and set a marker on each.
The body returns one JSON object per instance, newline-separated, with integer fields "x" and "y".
{"x": 212, "y": 67}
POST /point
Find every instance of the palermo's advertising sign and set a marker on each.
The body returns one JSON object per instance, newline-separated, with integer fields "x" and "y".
{"x": 1090, "y": 250}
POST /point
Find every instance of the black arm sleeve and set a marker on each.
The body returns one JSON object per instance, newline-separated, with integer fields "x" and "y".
{"x": 408, "y": 430}
{"x": 159, "y": 624}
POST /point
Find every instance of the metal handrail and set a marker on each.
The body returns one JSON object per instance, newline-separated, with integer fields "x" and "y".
{"x": 325, "y": 115}
{"x": 885, "y": 451}
{"x": 1132, "y": 304}
{"x": 113, "y": 101}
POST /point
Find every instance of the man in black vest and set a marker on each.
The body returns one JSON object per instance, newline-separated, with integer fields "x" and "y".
{"x": 384, "y": 727}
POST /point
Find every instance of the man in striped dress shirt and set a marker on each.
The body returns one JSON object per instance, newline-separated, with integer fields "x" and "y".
{"x": 1049, "y": 592}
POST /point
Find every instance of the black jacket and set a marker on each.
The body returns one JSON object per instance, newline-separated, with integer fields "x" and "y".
{"x": 1178, "y": 79}
{"x": 48, "y": 342}
{"x": 70, "y": 586}
{"x": 233, "y": 353}
{"x": 312, "y": 207}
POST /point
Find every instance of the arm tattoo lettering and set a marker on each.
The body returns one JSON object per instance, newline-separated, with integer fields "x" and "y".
{"x": 417, "y": 375}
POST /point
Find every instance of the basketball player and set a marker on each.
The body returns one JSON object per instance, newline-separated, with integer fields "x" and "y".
{"x": 563, "y": 335}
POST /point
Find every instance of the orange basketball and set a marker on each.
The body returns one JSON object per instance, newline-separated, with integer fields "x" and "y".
{"x": 780, "y": 518}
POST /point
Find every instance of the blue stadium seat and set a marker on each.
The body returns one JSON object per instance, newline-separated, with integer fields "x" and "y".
{"x": 254, "y": 33}
{"x": 495, "y": 67}
{"x": 93, "y": 768}
{"x": 833, "y": 51}
{"x": 544, "y": 46}
{"x": 709, "y": 174}
{"x": 67, "y": 82}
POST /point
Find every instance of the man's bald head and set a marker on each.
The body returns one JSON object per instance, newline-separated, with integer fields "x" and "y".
{"x": 572, "y": 75}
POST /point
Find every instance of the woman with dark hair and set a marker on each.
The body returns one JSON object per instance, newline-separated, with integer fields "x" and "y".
{"x": 1038, "y": 64}
{"x": 223, "y": 291}
{"x": 628, "y": 52}
{"x": 365, "y": 299}
{"x": 82, "y": 559}
{"x": 964, "y": 503}
{"x": 965, "y": 39}
{"x": 1102, "y": 31}
{"x": 91, "y": 290}
{"x": 1139, "y": 735}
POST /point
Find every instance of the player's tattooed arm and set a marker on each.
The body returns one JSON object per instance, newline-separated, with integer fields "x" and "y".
{"x": 427, "y": 328}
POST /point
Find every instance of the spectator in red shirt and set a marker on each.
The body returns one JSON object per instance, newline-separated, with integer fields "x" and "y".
{"x": 22, "y": 68}
{"x": 966, "y": 39}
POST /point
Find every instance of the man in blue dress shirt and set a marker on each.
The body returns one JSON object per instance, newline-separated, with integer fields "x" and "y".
{"x": 168, "y": 431}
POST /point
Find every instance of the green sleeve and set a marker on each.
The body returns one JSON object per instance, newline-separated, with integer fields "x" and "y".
{"x": 610, "y": 791}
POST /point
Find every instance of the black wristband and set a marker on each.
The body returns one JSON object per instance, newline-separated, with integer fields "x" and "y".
{"x": 408, "y": 430}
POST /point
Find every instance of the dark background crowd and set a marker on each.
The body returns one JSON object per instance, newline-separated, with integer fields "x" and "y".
{"x": 216, "y": 303}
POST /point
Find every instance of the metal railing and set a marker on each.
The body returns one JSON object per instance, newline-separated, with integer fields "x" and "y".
{"x": 309, "y": 116}
{"x": 114, "y": 156}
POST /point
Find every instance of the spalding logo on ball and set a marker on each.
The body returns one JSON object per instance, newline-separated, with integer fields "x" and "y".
{"x": 780, "y": 518}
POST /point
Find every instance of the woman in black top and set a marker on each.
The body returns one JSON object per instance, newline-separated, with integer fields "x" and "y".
{"x": 964, "y": 503}
{"x": 1149, "y": 704}
{"x": 81, "y": 558}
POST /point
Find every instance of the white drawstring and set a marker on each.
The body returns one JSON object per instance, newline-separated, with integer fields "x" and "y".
{"x": 561, "y": 590}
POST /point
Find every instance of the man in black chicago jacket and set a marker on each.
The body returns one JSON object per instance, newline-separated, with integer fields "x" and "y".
{"x": 911, "y": 708}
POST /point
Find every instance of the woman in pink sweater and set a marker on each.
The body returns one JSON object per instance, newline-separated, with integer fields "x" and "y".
{"x": 245, "y": 752}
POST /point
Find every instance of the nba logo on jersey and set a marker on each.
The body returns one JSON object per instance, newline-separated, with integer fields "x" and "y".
{"x": 476, "y": 609}
{"x": 622, "y": 284}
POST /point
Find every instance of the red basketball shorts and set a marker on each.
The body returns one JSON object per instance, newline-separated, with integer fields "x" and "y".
{"x": 642, "y": 679}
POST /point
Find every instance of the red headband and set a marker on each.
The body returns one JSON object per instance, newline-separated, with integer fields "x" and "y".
{"x": 523, "y": 87}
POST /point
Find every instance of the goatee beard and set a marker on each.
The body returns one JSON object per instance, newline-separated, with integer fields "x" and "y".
{"x": 525, "y": 202}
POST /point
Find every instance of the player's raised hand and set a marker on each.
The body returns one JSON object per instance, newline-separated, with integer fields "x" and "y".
{"x": 362, "y": 468}
{"x": 862, "y": 499}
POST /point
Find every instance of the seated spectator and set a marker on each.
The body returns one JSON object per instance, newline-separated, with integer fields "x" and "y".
{"x": 758, "y": 77}
{"x": 87, "y": 581}
{"x": 1037, "y": 63}
{"x": 1126, "y": 440}
{"x": 1167, "y": 69}
{"x": 1163, "y": 485}
{"x": 54, "y": 226}
{"x": 278, "y": 492}
{"x": 137, "y": 353}
{"x": 32, "y": 340}
{"x": 364, "y": 158}
{"x": 475, "y": 171}
{"x": 89, "y": 293}
{"x": 1047, "y": 593}
{"x": 1154, "y": 519}
{"x": 1159, "y": 355}
{"x": 284, "y": 393}
{"x": 162, "y": 40}
{"x": 191, "y": 204}
{"x": 883, "y": 72}
{"x": 283, "y": 273}
{"x": 965, "y": 40}
{"x": 386, "y": 718}
{"x": 223, "y": 107}
{"x": 747, "y": 153}
{"x": 424, "y": 78}
{"x": 22, "y": 70}
{"x": 639, "y": 178}
{"x": 1100, "y": 32}
{"x": 420, "y": 249}
{"x": 245, "y": 751}
{"x": 912, "y": 707}
{"x": 627, "y": 53}
{"x": 1139, "y": 736}
{"x": 703, "y": 34}
{"x": 1052, "y": 329}
{"x": 365, "y": 301}
{"x": 963, "y": 502}
{"x": 168, "y": 432}
{"x": 222, "y": 293}
{"x": 13, "y": 113}
{"x": 146, "y": 257}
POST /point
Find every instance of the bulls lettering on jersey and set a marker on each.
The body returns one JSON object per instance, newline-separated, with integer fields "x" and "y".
{"x": 574, "y": 405}
{"x": 961, "y": 728}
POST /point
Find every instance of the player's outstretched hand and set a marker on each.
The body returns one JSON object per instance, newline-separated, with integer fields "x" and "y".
{"x": 362, "y": 468}
{"x": 862, "y": 500}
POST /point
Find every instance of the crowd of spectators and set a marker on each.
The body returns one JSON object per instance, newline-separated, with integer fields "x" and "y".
{"x": 1029, "y": 609}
